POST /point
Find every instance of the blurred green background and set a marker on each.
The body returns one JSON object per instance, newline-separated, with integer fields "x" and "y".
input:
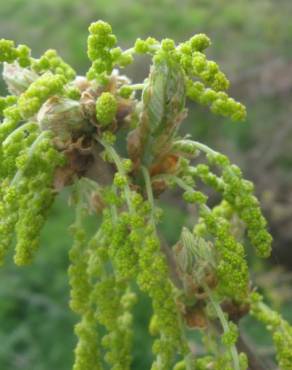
{"x": 251, "y": 41}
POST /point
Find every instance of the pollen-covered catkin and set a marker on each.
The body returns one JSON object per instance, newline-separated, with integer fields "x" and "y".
{"x": 34, "y": 183}
{"x": 280, "y": 329}
{"x": 38, "y": 92}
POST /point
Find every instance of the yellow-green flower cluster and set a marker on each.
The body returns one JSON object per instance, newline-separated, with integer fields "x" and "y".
{"x": 189, "y": 55}
{"x": 9, "y": 53}
{"x": 237, "y": 192}
{"x": 231, "y": 266}
{"x": 203, "y": 362}
{"x": 106, "y": 108}
{"x": 230, "y": 337}
{"x": 33, "y": 182}
{"x": 153, "y": 278}
{"x": 12, "y": 118}
{"x": 6, "y": 102}
{"x": 204, "y": 173}
{"x": 99, "y": 275}
{"x": 220, "y": 103}
{"x": 223, "y": 362}
{"x": 150, "y": 45}
{"x": 79, "y": 279}
{"x": 111, "y": 293}
{"x": 220, "y": 362}
{"x": 102, "y": 52}
{"x": 14, "y": 145}
{"x": 196, "y": 64}
{"x": 211, "y": 89}
{"x": 87, "y": 351}
{"x": 38, "y": 92}
{"x": 25, "y": 190}
{"x": 135, "y": 253}
{"x": 232, "y": 269}
{"x": 28, "y": 162}
{"x": 113, "y": 306}
{"x": 280, "y": 329}
{"x": 51, "y": 61}
{"x": 8, "y": 217}
{"x": 124, "y": 257}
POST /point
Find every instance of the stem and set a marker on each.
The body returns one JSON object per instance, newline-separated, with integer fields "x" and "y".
{"x": 225, "y": 326}
{"x": 120, "y": 168}
{"x": 152, "y": 49}
{"x": 181, "y": 183}
{"x": 149, "y": 191}
{"x": 202, "y": 147}
{"x": 114, "y": 210}
{"x": 184, "y": 186}
{"x": 137, "y": 86}
{"x": 130, "y": 51}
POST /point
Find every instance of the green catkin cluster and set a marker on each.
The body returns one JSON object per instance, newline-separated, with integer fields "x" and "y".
{"x": 231, "y": 265}
{"x": 222, "y": 362}
{"x": 218, "y": 101}
{"x": 153, "y": 279}
{"x": 111, "y": 293}
{"x": 232, "y": 269}
{"x": 12, "y": 118}
{"x": 106, "y": 108}
{"x": 228, "y": 265}
{"x": 38, "y": 92}
{"x": 33, "y": 181}
{"x": 5, "y": 102}
{"x": 79, "y": 280}
{"x": 281, "y": 330}
{"x": 28, "y": 166}
{"x": 58, "y": 129}
{"x": 51, "y": 61}
{"x": 14, "y": 145}
{"x": 248, "y": 209}
{"x": 87, "y": 352}
{"x": 102, "y": 52}
{"x": 9, "y": 53}
{"x": 237, "y": 192}
{"x": 190, "y": 56}
{"x": 99, "y": 284}
{"x": 141, "y": 256}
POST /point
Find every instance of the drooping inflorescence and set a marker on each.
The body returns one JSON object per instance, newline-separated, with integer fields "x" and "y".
{"x": 281, "y": 330}
{"x": 59, "y": 129}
